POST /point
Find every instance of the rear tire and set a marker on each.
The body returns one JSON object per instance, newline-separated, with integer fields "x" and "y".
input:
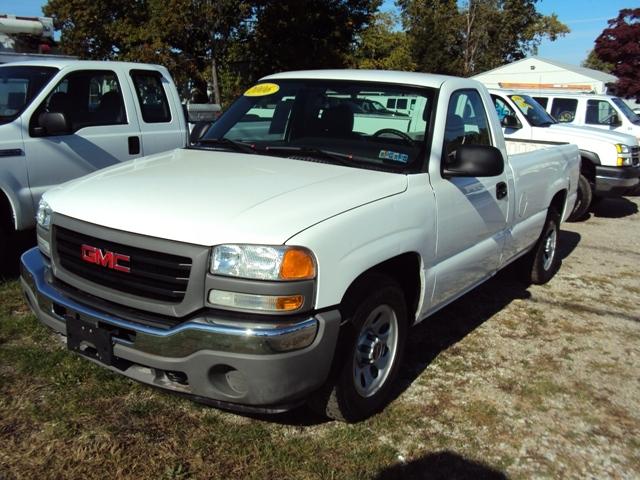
{"x": 541, "y": 264}
{"x": 583, "y": 201}
{"x": 374, "y": 339}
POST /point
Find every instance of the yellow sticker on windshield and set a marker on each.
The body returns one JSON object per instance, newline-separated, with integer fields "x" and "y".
{"x": 519, "y": 101}
{"x": 262, "y": 89}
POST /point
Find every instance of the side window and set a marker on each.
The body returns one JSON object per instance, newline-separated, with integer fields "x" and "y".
{"x": 502, "y": 108}
{"x": 466, "y": 122}
{"x": 599, "y": 112}
{"x": 564, "y": 109}
{"x": 542, "y": 101}
{"x": 87, "y": 99}
{"x": 151, "y": 96}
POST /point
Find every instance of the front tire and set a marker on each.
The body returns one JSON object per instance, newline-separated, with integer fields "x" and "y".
{"x": 374, "y": 339}
{"x": 583, "y": 201}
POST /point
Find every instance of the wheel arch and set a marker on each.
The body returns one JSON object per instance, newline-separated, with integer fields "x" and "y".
{"x": 588, "y": 162}
{"x": 559, "y": 202}
{"x": 7, "y": 211}
{"x": 405, "y": 270}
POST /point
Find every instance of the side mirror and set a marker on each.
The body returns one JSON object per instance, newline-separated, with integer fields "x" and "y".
{"x": 474, "y": 161}
{"x": 510, "y": 121}
{"x": 53, "y": 123}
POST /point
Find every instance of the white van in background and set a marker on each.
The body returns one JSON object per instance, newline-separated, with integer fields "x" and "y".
{"x": 584, "y": 109}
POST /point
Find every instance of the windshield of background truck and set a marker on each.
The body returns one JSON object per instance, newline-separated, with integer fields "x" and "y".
{"x": 633, "y": 118}
{"x": 536, "y": 115}
{"x": 325, "y": 120}
{"x": 19, "y": 86}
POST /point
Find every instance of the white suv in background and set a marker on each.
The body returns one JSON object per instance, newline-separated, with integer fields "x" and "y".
{"x": 584, "y": 109}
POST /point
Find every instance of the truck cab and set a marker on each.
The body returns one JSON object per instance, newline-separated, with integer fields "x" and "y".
{"x": 62, "y": 119}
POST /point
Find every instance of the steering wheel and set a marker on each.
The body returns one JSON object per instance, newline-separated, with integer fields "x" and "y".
{"x": 398, "y": 133}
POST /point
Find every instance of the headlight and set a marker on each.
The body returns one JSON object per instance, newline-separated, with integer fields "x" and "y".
{"x": 263, "y": 262}
{"x": 43, "y": 217}
{"x": 620, "y": 148}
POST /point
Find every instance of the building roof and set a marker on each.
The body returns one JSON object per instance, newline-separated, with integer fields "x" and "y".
{"x": 587, "y": 72}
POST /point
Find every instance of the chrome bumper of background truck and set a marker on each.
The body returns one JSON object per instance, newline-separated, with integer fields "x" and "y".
{"x": 217, "y": 359}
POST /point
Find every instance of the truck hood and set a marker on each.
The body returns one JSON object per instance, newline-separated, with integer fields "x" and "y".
{"x": 563, "y": 133}
{"x": 209, "y": 198}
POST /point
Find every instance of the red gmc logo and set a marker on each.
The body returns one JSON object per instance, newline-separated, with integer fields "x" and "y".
{"x": 105, "y": 259}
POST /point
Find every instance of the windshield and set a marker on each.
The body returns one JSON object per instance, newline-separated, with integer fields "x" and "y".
{"x": 332, "y": 121}
{"x": 19, "y": 86}
{"x": 536, "y": 115}
{"x": 633, "y": 118}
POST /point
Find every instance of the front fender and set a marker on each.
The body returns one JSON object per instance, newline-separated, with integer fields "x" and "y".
{"x": 353, "y": 242}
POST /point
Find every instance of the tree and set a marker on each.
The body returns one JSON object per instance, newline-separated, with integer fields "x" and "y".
{"x": 186, "y": 36}
{"x": 433, "y": 29}
{"x": 619, "y": 44}
{"x": 382, "y": 46}
{"x": 303, "y": 34}
{"x": 594, "y": 62}
{"x": 476, "y": 35}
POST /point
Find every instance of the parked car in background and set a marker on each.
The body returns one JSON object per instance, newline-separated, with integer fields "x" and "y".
{"x": 62, "y": 119}
{"x": 286, "y": 255}
{"x": 584, "y": 109}
{"x": 610, "y": 161}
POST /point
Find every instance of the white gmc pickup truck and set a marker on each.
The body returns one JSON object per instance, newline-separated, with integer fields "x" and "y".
{"x": 285, "y": 256}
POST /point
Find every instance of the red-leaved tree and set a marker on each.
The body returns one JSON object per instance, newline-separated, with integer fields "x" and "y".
{"x": 619, "y": 44}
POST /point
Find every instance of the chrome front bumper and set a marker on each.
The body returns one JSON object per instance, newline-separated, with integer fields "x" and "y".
{"x": 272, "y": 361}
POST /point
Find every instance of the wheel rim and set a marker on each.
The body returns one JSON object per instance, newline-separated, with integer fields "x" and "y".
{"x": 375, "y": 351}
{"x": 549, "y": 251}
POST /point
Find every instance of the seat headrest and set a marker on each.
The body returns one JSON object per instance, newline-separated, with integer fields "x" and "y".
{"x": 337, "y": 120}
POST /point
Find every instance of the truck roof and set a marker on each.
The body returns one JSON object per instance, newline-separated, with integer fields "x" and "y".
{"x": 386, "y": 76}
{"x": 63, "y": 63}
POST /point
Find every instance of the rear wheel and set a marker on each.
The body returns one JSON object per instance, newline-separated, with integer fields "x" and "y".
{"x": 583, "y": 201}
{"x": 541, "y": 264}
{"x": 374, "y": 339}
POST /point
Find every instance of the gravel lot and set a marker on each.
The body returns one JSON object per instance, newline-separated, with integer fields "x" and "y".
{"x": 508, "y": 382}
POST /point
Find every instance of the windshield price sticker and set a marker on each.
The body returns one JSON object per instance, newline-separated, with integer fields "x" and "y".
{"x": 395, "y": 156}
{"x": 519, "y": 101}
{"x": 262, "y": 90}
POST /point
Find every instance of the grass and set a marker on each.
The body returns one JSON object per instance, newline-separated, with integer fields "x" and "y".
{"x": 64, "y": 417}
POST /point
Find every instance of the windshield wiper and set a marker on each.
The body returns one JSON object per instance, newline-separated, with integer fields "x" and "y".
{"x": 228, "y": 143}
{"x": 339, "y": 158}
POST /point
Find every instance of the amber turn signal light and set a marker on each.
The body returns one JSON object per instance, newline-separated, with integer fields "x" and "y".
{"x": 297, "y": 264}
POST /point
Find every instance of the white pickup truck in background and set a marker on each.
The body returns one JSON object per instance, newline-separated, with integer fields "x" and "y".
{"x": 610, "y": 161}
{"x": 62, "y": 119}
{"x": 285, "y": 256}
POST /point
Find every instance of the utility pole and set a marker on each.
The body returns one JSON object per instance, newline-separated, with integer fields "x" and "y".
{"x": 214, "y": 76}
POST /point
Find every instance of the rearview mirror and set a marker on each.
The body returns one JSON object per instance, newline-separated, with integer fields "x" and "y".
{"x": 474, "y": 161}
{"x": 53, "y": 123}
{"x": 510, "y": 121}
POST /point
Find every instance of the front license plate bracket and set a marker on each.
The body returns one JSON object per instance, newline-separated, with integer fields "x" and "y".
{"x": 89, "y": 340}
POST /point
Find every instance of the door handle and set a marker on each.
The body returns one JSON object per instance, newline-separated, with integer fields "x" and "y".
{"x": 134, "y": 145}
{"x": 501, "y": 190}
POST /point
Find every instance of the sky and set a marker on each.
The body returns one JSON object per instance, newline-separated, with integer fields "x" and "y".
{"x": 585, "y": 18}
